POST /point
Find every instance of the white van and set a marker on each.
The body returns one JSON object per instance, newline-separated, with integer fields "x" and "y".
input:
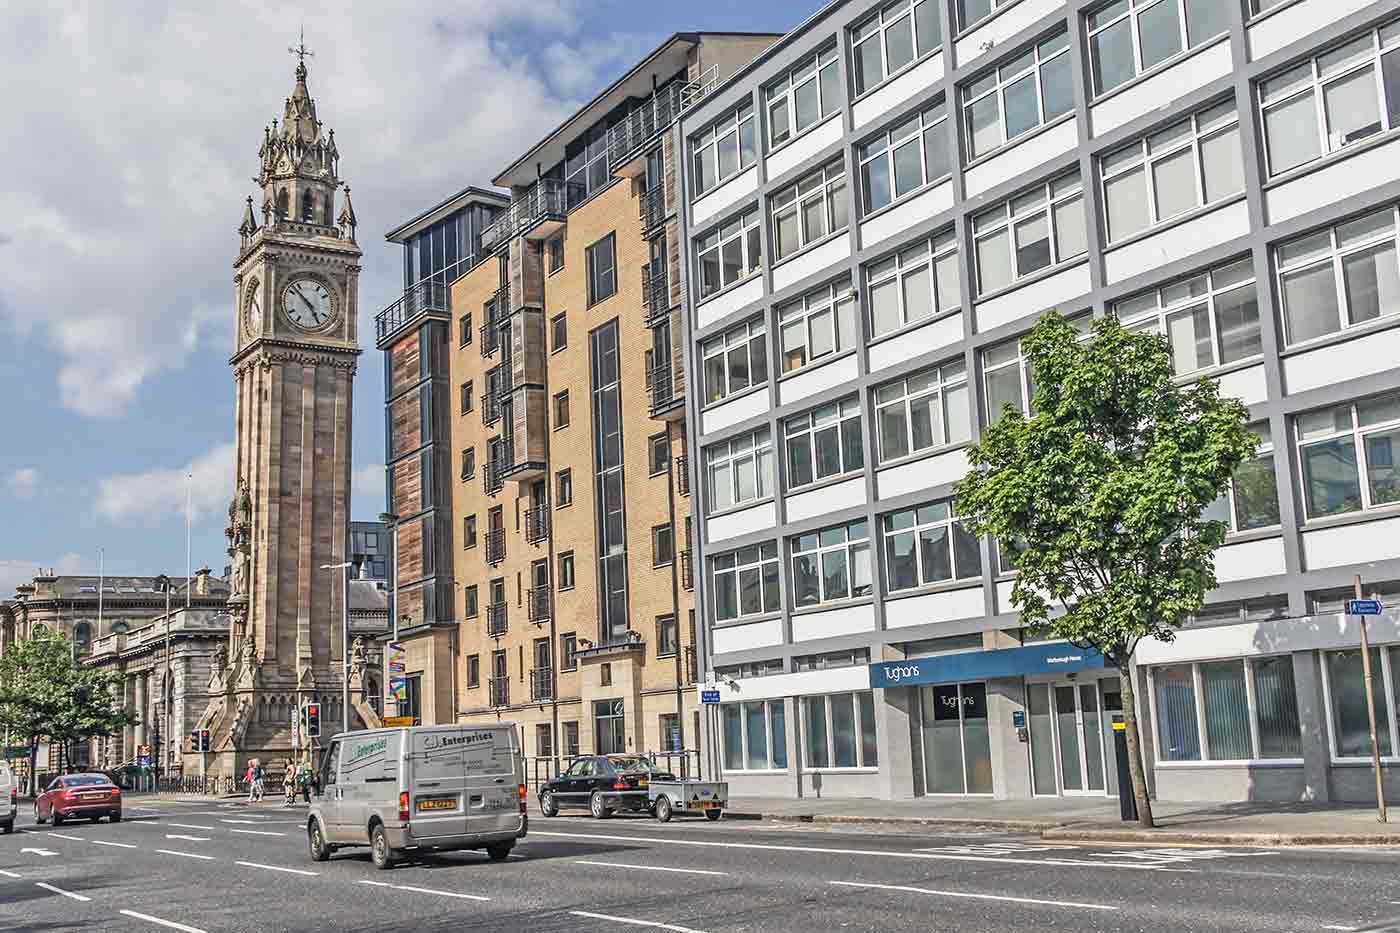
{"x": 9, "y": 797}
{"x": 420, "y": 788}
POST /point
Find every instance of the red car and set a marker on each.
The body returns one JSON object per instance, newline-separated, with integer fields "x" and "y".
{"x": 79, "y": 795}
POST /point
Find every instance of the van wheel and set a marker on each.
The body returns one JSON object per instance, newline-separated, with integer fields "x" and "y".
{"x": 663, "y": 809}
{"x": 597, "y": 807}
{"x": 380, "y": 851}
{"x": 9, "y": 827}
{"x": 320, "y": 852}
{"x": 499, "y": 852}
{"x": 39, "y": 818}
{"x": 548, "y": 805}
{"x": 712, "y": 815}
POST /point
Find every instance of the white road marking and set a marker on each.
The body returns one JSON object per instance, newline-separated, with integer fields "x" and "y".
{"x": 207, "y": 858}
{"x": 115, "y": 845}
{"x": 684, "y": 871}
{"x": 1335, "y": 927}
{"x": 9, "y": 874}
{"x": 242, "y": 822}
{"x": 978, "y": 897}
{"x": 634, "y": 922}
{"x": 187, "y": 838}
{"x": 49, "y": 887}
{"x": 256, "y": 832}
{"x": 42, "y": 853}
{"x": 64, "y": 836}
{"x": 190, "y": 826}
{"x": 417, "y": 890}
{"x": 820, "y": 850}
{"x": 165, "y": 923}
{"x": 290, "y": 871}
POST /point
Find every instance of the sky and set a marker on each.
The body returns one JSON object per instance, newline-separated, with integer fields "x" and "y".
{"x": 129, "y": 143}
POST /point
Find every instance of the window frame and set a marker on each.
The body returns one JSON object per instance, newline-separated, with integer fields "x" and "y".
{"x": 468, "y": 463}
{"x": 1155, "y": 319}
{"x": 1009, "y": 221}
{"x": 760, "y": 440}
{"x": 662, "y": 622}
{"x": 559, "y": 331}
{"x": 830, "y": 733}
{"x": 655, "y": 466}
{"x": 838, "y": 301}
{"x": 554, "y": 250}
{"x": 1358, "y": 435}
{"x": 881, "y": 149}
{"x": 469, "y": 531}
{"x": 824, "y": 186}
{"x": 1231, "y": 495}
{"x": 847, "y": 410}
{"x": 472, "y": 599}
{"x": 1336, "y": 256}
{"x": 743, "y": 227}
{"x": 563, "y": 488}
{"x": 742, "y": 121}
{"x": 559, "y": 409}
{"x": 567, "y": 577}
{"x": 854, "y": 540}
{"x": 660, "y": 534}
{"x": 943, "y": 377}
{"x": 764, "y": 560}
{"x": 1080, "y": 322}
{"x": 466, "y": 392}
{"x": 952, "y": 525}
{"x": 755, "y": 343}
{"x": 1387, "y": 692}
{"x": 1133, "y": 10}
{"x": 473, "y": 671}
{"x": 770, "y": 756}
{"x": 595, "y": 273}
{"x": 464, "y": 322}
{"x": 938, "y": 249}
{"x": 1204, "y": 757}
{"x": 857, "y": 37}
{"x": 971, "y": 93}
{"x": 816, "y": 68}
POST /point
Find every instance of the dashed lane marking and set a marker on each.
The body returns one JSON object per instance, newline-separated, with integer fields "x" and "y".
{"x": 684, "y": 871}
{"x": 58, "y": 890}
{"x": 9, "y": 874}
{"x": 290, "y": 871}
{"x": 165, "y": 923}
{"x": 256, "y": 832}
{"x": 633, "y": 921}
{"x": 207, "y": 858}
{"x": 418, "y": 890}
{"x": 190, "y": 826}
{"x": 970, "y": 896}
{"x": 64, "y": 836}
{"x": 115, "y": 845}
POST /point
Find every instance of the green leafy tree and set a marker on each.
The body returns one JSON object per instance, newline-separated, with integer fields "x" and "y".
{"x": 1097, "y": 498}
{"x": 45, "y": 693}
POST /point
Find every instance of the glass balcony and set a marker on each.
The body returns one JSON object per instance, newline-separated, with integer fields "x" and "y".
{"x": 426, "y": 297}
{"x": 535, "y": 214}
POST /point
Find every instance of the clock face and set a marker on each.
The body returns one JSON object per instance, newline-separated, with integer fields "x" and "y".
{"x": 308, "y": 303}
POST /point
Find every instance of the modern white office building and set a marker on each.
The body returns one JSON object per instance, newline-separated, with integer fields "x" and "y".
{"x": 877, "y": 209}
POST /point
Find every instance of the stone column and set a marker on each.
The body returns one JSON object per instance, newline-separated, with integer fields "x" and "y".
{"x": 143, "y": 714}
{"x": 128, "y": 731}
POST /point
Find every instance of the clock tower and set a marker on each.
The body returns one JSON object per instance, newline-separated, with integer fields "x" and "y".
{"x": 296, "y": 301}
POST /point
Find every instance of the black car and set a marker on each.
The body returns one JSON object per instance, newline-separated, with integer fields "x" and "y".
{"x": 602, "y": 784}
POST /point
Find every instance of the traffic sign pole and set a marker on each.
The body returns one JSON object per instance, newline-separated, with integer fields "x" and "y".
{"x": 1370, "y": 694}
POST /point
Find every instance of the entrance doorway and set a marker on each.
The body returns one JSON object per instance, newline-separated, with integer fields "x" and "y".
{"x": 1067, "y": 738}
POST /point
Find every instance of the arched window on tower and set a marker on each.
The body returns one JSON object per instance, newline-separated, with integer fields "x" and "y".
{"x": 82, "y": 637}
{"x": 329, "y": 220}
{"x": 308, "y": 207}
{"x": 282, "y": 204}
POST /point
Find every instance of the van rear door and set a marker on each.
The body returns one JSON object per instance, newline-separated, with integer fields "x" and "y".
{"x": 494, "y": 774}
{"x": 438, "y": 780}
{"x": 369, "y": 771}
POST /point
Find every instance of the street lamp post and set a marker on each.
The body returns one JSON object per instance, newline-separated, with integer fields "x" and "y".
{"x": 391, "y": 521}
{"x": 344, "y": 644}
{"x": 167, "y": 690}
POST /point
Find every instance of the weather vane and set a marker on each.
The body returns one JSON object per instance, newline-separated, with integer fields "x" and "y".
{"x": 300, "y": 50}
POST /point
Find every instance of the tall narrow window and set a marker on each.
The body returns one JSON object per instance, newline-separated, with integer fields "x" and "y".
{"x": 607, "y": 461}
{"x": 602, "y": 269}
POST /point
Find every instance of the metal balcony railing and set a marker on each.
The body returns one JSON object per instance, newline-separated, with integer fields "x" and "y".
{"x": 656, "y": 292}
{"x": 652, "y": 207}
{"x": 495, "y": 546}
{"x": 541, "y": 684}
{"x": 655, "y": 114}
{"x": 493, "y": 315}
{"x": 548, "y": 197}
{"x": 493, "y": 476}
{"x": 539, "y": 602}
{"x": 682, "y": 475}
{"x": 692, "y": 675}
{"x": 665, "y": 391}
{"x": 491, "y": 404}
{"x": 687, "y": 572}
{"x": 500, "y": 691}
{"x": 422, "y": 298}
{"x": 536, "y": 524}
{"x": 496, "y": 619}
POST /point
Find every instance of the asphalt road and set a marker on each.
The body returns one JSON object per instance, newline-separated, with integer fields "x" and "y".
{"x": 201, "y": 867}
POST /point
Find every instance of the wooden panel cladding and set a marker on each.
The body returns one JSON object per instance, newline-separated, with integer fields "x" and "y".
{"x": 527, "y": 348}
{"x": 673, "y": 262}
{"x": 526, "y": 274}
{"x": 668, "y": 156}
{"x": 414, "y": 562}
{"x": 530, "y": 413}
{"x": 405, "y": 423}
{"x": 677, "y": 350}
{"x": 407, "y": 363}
{"x": 408, "y": 487}
{"x": 411, "y": 604}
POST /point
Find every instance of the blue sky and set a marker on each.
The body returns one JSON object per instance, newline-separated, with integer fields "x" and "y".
{"x": 127, "y": 163}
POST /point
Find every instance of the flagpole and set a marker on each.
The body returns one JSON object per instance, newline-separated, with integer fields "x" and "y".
{"x": 101, "y": 574}
{"x": 188, "y": 521}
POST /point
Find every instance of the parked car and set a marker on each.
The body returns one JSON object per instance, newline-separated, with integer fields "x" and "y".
{"x": 9, "y": 797}
{"x": 602, "y": 784}
{"x": 79, "y": 795}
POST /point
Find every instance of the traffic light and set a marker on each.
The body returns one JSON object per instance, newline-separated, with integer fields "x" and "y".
{"x": 206, "y": 740}
{"x": 313, "y": 720}
{"x": 194, "y": 740}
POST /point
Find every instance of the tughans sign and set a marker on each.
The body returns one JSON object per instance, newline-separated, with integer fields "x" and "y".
{"x": 1030, "y": 660}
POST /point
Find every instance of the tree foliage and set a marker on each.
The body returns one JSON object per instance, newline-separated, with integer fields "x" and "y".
{"x": 1098, "y": 496}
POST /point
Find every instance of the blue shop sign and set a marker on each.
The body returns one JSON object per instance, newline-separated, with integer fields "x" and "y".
{"x": 1058, "y": 658}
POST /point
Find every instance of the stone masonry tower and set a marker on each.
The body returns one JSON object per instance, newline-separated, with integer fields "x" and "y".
{"x": 296, "y": 298}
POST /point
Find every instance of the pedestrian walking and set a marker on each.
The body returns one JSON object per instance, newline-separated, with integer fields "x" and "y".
{"x": 289, "y": 783}
{"x": 259, "y": 775}
{"x": 249, "y": 777}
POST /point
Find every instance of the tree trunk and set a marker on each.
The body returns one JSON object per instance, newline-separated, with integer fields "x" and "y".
{"x": 1130, "y": 724}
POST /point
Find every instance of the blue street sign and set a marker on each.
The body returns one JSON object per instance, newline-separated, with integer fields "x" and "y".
{"x": 1052, "y": 658}
{"x": 709, "y": 696}
{"x": 1363, "y": 607}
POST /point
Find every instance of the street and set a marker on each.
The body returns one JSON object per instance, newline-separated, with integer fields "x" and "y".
{"x": 203, "y": 867}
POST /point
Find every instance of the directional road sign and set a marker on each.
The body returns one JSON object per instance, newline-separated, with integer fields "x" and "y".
{"x": 1364, "y": 607}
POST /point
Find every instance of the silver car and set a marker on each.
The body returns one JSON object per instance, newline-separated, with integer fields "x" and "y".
{"x": 421, "y": 788}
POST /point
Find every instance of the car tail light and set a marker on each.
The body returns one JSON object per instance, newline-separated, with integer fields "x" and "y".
{"x": 524, "y": 794}
{"x": 619, "y": 786}
{"x": 403, "y": 807}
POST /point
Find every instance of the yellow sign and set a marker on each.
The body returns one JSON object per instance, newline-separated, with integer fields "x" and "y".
{"x": 437, "y": 803}
{"x": 394, "y": 721}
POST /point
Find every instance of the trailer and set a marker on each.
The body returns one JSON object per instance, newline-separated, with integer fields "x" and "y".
{"x": 667, "y": 798}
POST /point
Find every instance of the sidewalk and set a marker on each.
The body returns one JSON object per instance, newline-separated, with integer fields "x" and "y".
{"x": 1096, "y": 819}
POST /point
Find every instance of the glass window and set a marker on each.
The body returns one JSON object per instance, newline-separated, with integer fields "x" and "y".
{"x": 566, "y": 570}
{"x": 723, "y": 149}
{"x": 956, "y": 739}
{"x": 1336, "y": 444}
{"x": 1276, "y": 703}
{"x": 602, "y": 269}
{"x": 1048, "y": 226}
{"x": 585, "y": 167}
{"x": 1178, "y": 730}
{"x": 563, "y": 488}
{"x": 1018, "y": 95}
{"x": 1335, "y": 279}
{"x": 1006, "y": 374}
{"x": 739, "y": 470}
{"x": 809, "y": 210}
{"x": 1332, "y": 101}
{"x": 1251, "y": 501}
{"x": 831, "y": 565}
{"x": 817, "y": 325}
{"x": 924, "y": 410}
{"x": 746, "y": 582}
{"x": 803, "y": 96}
{"x": 729, "y": 253}
{"x": 1209, "y": 318}
{"x": 823, "y": 443}
{"x": 735, "y": 360}
{"x": 891, "y": 39}
{"x": 1189, "y": 164}
{"x": 1249, "y": 710}
{"x": 1346, "y": 694}
{"x": 926, "y": 545}
{"x": 840, "y": 731}
{"x": 1129, "y": 37}
{"x": 559, "y": 328}
{"x": 902, "y": 159}
{"x": 914, "y": 284}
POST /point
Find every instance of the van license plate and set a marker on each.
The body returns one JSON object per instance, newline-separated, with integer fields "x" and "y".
{"x": 437, "y": 803}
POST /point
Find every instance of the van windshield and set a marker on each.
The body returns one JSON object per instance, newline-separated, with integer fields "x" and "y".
{"x": 631, "y": 763}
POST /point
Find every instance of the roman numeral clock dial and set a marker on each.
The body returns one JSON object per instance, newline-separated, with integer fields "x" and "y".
{"x": 307, "y": 303}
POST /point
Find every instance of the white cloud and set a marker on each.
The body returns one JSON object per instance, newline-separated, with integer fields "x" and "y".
{"x": 23, "y": 483}
{"x": 368, "y": 481}
{"x": 160, "y": 493}
{"x": 121, "y": 225}
{"x": 15, "y": 572}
